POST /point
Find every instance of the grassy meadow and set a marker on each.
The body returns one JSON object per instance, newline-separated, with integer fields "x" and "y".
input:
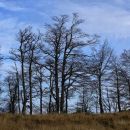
{"x": 116, "y": 121}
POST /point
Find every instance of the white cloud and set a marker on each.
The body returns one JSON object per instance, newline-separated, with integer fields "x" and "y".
{"x": 109, "y": 21}
{"x": 10, "y": 6}
{"x": 8, "y": 30}
{"x": 101, "y": 17}
{"x": 120, "y": 1}
{"x": 105, "y": 19}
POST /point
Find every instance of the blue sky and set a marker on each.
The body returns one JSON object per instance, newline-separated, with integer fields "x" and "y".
{"x": 108, "y": 18}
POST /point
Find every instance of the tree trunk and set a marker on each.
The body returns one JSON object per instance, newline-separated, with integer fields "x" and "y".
{"x": 108, "y": 100}
{"x": 100, "y": 95}
{"x": 30, "y": 85}
{"x": 24, "y": 90}
{"x": 63, "y": 86}
{"x": 56, "y": 82}
{"x": 41, "y": 94}
{"x": 118, "y": 92}
{"x": 66, "y": 101}
{"x": 50, "y": 97}
{"x": 128, "y": 81}
{"x": 17, "y": 77}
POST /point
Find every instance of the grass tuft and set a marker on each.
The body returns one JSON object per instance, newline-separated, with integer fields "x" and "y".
{"x": 117, "y": 121}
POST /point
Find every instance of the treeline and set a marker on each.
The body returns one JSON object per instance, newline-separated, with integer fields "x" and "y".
{"x": 63, "y": 66}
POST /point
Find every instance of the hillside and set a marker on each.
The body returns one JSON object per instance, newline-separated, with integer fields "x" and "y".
{"x": 116, "y": 121}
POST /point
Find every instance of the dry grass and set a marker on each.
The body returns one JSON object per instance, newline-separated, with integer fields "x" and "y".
{"x": 118, "y": 121}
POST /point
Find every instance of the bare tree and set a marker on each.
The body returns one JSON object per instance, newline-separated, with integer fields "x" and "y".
{"x": 12, "y": 87}
{"x": 64, "y": 43}
{"x": 99, "y": 64}
{"x": 19, "y": 55}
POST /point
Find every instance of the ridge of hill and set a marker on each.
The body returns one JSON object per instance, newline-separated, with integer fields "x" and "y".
{"x": 115, "y": 121}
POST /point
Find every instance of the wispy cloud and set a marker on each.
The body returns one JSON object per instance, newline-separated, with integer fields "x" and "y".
{"x": 8, "y": 30}
{"x": 101, "y": 18}
{"x": 110, "y": 19}
{"x": 10, "y": 6}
